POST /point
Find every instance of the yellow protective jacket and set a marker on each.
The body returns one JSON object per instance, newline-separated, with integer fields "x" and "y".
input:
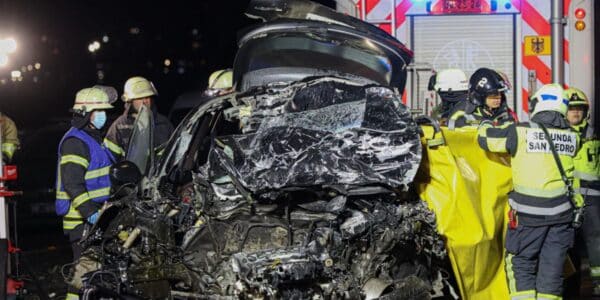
{"x": 10, "y": 137}
{"x": 587, "y": 163}
{"x": 539, "y": 194}
{"x": 462, "y": 118}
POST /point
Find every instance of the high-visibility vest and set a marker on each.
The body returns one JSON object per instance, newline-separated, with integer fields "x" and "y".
{"x": 475, "y": 118}
{"x": 10, "y": 139}
{"x": 97, "y": 179}
{"x": 536, "y": 174}
{"x": 587, "y": 161}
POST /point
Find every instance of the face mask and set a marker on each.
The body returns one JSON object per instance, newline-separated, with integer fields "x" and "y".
{"x": 99, "y": 119}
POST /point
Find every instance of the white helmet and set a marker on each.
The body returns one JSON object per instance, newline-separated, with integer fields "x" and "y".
{"x": 451, "y": 80}
{"x": 549, "y": 98}
{"x": 138, "y": 87}
{"x": 96, "y": 97}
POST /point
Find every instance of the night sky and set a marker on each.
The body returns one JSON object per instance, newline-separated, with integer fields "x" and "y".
{"x": 197, "y": 37}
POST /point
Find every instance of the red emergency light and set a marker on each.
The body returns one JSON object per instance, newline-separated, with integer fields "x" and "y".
{"x": 580, "y": 13}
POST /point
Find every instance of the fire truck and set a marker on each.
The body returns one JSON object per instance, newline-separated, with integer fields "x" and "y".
{"x": 511, "y": 36}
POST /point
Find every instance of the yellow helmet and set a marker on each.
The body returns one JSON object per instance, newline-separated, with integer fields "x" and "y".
{"x": 222, "y": 79}
{"x": 96, "y": 97}
{"x": 138, "y": 87}
{"x": 576, "y": 97}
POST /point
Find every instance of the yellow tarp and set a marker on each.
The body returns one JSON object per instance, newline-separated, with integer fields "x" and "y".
{"x": 467, "y": 189}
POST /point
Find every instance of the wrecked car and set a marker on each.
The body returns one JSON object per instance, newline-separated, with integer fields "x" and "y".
{"x": 296, "y": 186}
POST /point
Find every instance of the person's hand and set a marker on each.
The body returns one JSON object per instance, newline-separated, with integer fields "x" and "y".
{"x": 93, "y": 218}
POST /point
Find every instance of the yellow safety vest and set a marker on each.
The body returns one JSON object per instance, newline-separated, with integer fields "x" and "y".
{"x": 475, "y": 118}
{"x": 10, "y": 139}
{"x": 535, "y": 172}
{"x": 587, "y": 161}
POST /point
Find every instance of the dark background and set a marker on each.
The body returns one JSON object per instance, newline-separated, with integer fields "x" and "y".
{"x": 198, "y": 37}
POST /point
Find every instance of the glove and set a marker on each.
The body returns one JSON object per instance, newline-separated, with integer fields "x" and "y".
{"x": 93, "y": 218}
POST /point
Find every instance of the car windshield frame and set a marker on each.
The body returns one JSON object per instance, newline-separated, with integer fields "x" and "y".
{"x": 178, "y": 144}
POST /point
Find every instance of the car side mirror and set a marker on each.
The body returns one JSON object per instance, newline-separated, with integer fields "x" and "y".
{"x": 124, "y": 173}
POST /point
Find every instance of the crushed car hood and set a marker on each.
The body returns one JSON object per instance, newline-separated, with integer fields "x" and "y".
{"x": 323, "y": 131}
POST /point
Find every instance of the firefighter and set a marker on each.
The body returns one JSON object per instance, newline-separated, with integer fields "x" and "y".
{"x": 83, "y": 183}
{"x": 587, "y": 177}
{"x": 10, "y": 138}
{"x": 220, "y": 83}
{"x": 452, "y": 86}
{"x": 138, "y": 92}
{"x": 541, "y": 219}
{"x": 487, "y": 94}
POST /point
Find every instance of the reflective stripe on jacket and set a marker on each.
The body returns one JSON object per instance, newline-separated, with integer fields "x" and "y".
{"x": 97, "y": 179}
{"x": 461, "y": 118}
{"x": 587, "y": 163}
{"x": 538, "y": 189}
{"x": 10, "y": 137}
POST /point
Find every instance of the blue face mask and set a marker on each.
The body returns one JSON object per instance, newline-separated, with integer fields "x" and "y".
{"x": 99, "y": 119}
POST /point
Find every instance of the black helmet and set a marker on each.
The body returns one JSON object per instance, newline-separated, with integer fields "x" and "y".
{"x": 485, "y": 82}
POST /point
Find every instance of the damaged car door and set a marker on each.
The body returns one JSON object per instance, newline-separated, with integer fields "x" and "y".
{"x": 140, "y": 150}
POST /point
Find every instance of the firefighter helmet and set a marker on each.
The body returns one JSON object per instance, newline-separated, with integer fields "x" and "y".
{"x": 485, "y": 82}
{"x": 138, "y": 87}
{"x": 96, "y": 97}
{"x": 222, "y": 79}
{"x": 505, "y": 79}
{"x": 577, "y": 97}
{"x": 549, "y": 97}
{"x": 451, "y": 80}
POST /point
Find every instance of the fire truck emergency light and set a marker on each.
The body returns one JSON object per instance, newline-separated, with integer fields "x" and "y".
{"x": 580, "y": 25}
{"x": 580, "y": 13}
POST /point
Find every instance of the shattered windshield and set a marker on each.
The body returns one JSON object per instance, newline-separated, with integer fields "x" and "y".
{"x": 178, "y": 147}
